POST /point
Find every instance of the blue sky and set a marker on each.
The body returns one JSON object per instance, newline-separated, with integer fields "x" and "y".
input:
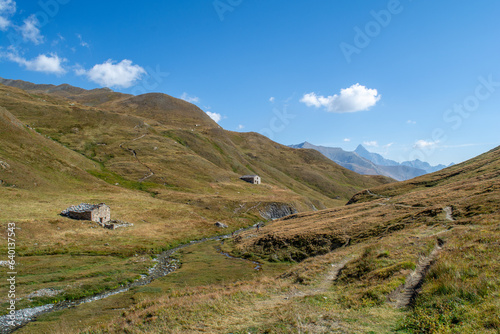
{"x": 408, "y": 79}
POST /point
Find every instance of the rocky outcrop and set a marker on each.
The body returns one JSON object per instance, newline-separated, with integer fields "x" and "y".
{"x": 276, "y": 211}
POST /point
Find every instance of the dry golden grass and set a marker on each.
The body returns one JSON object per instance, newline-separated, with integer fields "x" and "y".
{"x": 99, "y": 150}
{"x": 182, "y": 156}
{"x": 469, "y": 193}
{"x": 380, "y": 237}
{"x": 384, "y": 240}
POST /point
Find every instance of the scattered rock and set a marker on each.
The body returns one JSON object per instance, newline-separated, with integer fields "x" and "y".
{"x": 4, "y": 165}
{"x": 44, "y": 293}
{"x": 221, "y": 225}
{"x": 22, "y": 317}
{"x": 114, "y": 224}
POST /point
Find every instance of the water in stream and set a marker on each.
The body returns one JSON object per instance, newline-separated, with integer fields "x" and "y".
{"x": 164, "y": 266}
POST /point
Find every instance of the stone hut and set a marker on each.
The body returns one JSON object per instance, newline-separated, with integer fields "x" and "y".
{"x": 254, "y": 179}
{"x": 99, "y": 213}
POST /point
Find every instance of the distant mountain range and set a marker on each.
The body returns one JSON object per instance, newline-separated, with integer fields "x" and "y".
{"x": 367, "y": 163}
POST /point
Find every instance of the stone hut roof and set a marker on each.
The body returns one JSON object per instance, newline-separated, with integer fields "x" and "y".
{"x": 83, "y": 207}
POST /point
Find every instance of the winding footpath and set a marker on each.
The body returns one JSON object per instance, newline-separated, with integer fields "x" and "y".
{"x": 406, "y": 293}
{"x": 165, "y": 265}
{"x": 134, "y": 154}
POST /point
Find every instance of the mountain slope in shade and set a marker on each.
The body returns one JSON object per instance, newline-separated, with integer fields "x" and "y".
{"x": 362, "y": 165}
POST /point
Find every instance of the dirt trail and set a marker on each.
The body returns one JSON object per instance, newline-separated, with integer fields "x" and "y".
{"x": 376, "y": 195}
{"x": 260, "y": 307}
{"x": 332, "y": 275}
{"x": 404, "y": 295}
{"x": 134, "y": 153}
{"x": 449, "y": 213}
{"x": 325, "y": 282}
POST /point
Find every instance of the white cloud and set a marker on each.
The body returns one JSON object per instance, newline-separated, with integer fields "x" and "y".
{"x": 50, "y": 63}
{"x": 190, "y": 99}
{"x": 372, "y": 143}
{"x": 411, "y": 122}
{"x": 312, "y": 99}
{"x": 7, "y": 9}
{"x": 271, "y": 99}
{"x": 215, "y": 116}
{"x": 347, "y": 140}
{"x": 4, "y": 23}
{"x": 351, "y": 99}
{"x": 82, "y": 42}
{"x": 110, "y": 74}
{"x": 388, "y": 145}
{"x": 425, "y": 144}
{"x": 240, "y": 127}
{"x": 58, "y": 40}
{"x": 30, "y": 31}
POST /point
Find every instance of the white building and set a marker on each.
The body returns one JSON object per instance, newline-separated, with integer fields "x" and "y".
{"x": 254, "y": 179}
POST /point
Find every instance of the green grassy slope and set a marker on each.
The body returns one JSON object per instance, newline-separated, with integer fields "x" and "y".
{"x": 158, "y": 162}
{"x": 174, "y": 177}
{"x": 34, "y": 161}
{"x": 339, "y": 270}
{"x": 169, "y": 143}
{"x": 390, "y": 229}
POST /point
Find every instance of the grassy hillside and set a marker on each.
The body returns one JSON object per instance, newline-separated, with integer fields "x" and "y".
{"x": 415, "y": 257}
{"x": 390, "y": 229}
{"x": 167, "y": 143}
{"x": 158, "y": 162}
{"x": 163, "y": 165}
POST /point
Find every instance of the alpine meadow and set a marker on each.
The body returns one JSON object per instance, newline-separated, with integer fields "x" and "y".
{"x": 151, "y": 180}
